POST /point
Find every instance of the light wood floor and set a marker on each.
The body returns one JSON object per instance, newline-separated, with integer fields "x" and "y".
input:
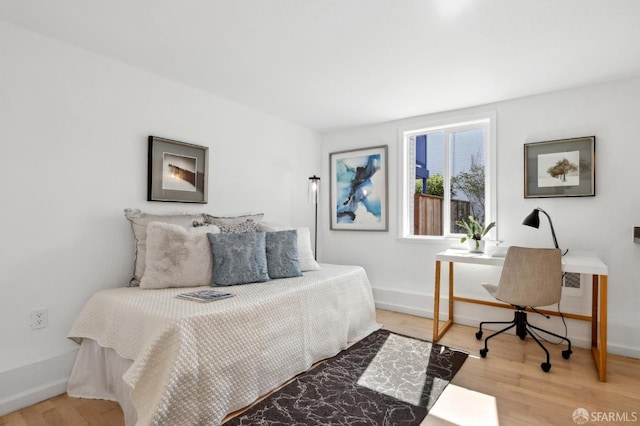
{"x": 511, "y": 373}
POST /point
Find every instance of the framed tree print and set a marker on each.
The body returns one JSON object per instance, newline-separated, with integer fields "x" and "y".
{"x": 560, "y": 168}
{"x": 359, "y": 189}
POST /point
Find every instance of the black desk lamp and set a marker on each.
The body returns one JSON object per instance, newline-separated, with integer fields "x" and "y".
{"x": 314, "y": 190}
{"x": 533, "y": 220}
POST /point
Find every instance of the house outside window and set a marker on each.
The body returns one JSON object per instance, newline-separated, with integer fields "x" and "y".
{"x": 448, "y": 174}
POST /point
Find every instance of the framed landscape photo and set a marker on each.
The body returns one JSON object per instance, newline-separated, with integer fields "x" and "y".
{"x": 177, "y": 171}
{"x": 560, "y": 168}
{"x": 359, "y": 189}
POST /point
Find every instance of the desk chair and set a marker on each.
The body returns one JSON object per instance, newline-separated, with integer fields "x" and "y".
{"x": 530, "y": 277}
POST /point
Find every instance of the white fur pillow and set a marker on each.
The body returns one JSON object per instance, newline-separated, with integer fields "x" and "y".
{"x": 178, "y": 257}
{"x": 139, "y": 222}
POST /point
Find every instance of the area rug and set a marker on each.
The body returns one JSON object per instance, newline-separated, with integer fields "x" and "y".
{"x": 384, "y": 379}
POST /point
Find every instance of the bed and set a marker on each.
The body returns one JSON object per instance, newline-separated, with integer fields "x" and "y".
{"x": 170, "y": 361}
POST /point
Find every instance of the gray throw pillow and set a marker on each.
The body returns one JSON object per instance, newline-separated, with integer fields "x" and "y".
{"x": 239, "y": 258}
{"x": 305, "y": 251}
{"x": 282, "y": 254}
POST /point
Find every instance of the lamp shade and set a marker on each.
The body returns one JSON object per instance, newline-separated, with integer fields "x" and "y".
{"x": 533, "y": 219}
{"x": 314, "y": 189}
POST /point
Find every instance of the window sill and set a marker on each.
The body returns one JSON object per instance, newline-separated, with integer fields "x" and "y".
{"x": 421, "y": 239}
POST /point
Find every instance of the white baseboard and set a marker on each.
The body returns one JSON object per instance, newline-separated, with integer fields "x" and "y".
{"x": 623, "y": 350}
{"x": 405, "y": 309}
{"x": 30, "y": 384}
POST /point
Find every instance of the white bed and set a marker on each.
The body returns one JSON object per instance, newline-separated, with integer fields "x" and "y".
{"x": 169, "y": 361}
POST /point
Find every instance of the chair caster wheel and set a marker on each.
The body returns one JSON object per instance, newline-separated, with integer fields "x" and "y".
{"x": 545, "y": 367}
{"x": 479, "y": 335}
{"x": 566, "y": 354}
{"x": 483, "y": 352}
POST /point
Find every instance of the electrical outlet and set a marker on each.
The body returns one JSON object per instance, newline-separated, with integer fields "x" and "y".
{"x": 39, "y": 318}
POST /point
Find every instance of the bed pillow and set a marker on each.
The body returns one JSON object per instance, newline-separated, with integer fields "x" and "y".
{"x": 232, "y": 220}
{"x": 235, "y": 228}
{"x": 177, "y": 257}
{"x": 282, "y": 254}
{"x": 305, "y": 252}
{"x": 239, "y": 258}
{"x": 139, "y": 221}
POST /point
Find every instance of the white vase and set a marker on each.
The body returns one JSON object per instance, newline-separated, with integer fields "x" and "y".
{"x": 471, "y": 244}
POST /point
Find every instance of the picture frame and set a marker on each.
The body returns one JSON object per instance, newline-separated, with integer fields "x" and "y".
{"x": 177, "y": 171}
{"x": 359, "y": 189}
{"x": 560, "y": 168}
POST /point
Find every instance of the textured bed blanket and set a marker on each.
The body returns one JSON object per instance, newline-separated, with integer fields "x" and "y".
{"x": 196, "y": 362}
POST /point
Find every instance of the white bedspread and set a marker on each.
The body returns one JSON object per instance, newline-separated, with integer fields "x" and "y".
{"x": 196, "y": 362}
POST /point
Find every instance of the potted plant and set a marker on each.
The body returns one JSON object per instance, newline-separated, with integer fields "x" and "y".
{"x": 475, "y": 231}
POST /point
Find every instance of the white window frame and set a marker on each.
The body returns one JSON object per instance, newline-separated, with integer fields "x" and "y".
{"x": 407, "y": 172}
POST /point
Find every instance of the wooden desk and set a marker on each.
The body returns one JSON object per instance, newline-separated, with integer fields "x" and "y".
{"x": 570, "y": 263}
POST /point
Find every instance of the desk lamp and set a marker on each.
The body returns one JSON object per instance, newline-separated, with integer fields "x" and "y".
{"x": 533, "y": 220}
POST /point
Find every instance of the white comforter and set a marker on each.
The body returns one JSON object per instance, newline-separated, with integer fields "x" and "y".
{"x": 196, "y": 362}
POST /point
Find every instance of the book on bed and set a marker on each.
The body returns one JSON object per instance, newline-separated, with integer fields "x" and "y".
{"x": 204, "y": 295}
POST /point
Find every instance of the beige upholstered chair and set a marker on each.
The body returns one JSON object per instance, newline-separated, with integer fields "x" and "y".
{"x": 530, "y": 277}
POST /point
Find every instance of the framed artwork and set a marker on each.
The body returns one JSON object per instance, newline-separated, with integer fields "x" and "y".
{"x": 177, "y": 171}
{"x": 359, "y": 189}
{"x": 560, "y": 168}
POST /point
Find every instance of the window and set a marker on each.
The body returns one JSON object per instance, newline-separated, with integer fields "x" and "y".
{"x": 448, "y": 175}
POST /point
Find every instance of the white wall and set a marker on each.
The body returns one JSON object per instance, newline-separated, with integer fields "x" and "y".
{"x": 402, "y": 273}
{"x": 74, "y": 130}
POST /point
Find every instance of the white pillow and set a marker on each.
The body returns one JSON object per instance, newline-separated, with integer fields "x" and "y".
{"x": 305, "y": 252}
{"x": 139, "y": 222}
{"x": 178, "y": 257}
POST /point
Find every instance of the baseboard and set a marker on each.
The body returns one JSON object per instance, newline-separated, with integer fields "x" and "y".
{"x": 32, "y": 383}
{"x": 407, "y": 303}
{"x": 623, "y": 350}
{"x": 404, "y": 309}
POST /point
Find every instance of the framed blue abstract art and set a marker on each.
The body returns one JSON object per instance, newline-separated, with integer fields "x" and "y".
{"x": 359, "y": 189}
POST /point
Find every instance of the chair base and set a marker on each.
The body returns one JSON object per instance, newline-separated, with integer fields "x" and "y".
{"x": 523, "y": 328}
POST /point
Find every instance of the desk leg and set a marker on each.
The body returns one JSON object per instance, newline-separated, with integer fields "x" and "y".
{"x": 437, "y": 332}
{"x": 599, "y": 346}
{"x": 436, "y": 304}
{"x": 595, "y": 296}
{"x": 450, "y": 294}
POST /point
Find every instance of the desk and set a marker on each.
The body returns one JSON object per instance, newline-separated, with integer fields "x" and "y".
{"x": 578, "y": 264}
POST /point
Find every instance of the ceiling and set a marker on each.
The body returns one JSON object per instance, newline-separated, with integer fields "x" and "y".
{"x": 331, "y": 64}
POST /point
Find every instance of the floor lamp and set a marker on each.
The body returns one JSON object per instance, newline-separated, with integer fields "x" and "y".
{"x": 314, "y": 190}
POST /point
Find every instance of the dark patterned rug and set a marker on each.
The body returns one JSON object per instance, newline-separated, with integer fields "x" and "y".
{"x": 384, "y": 379}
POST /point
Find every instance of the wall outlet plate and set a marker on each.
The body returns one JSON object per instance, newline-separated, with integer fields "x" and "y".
{"x": 39, "y": 318}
